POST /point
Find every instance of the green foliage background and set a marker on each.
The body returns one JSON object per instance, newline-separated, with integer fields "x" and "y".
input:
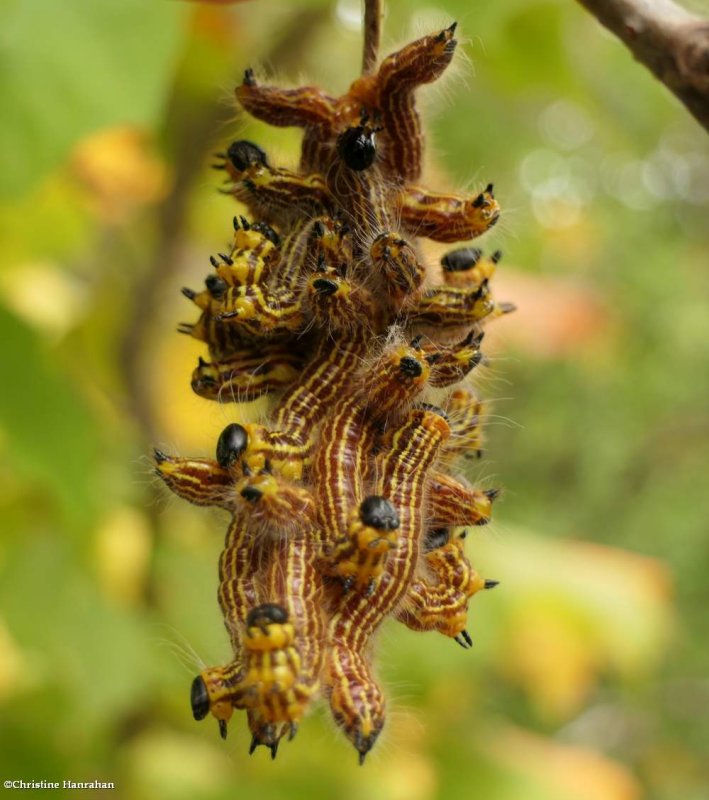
{"x": 589, "y": 674}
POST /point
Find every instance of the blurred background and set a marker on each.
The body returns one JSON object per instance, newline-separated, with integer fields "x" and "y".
{"x": 588, "y": 679}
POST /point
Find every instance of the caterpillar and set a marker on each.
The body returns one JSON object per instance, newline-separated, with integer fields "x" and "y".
{"x": 347, "y": 501}
{"x": 355, "y": 698}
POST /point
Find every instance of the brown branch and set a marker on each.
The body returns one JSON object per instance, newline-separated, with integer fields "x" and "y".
{"x": 670, "y": 41}
{"x": 372, "y": 35}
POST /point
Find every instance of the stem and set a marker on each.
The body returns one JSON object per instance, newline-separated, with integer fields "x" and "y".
{"x": 670, "y": 41}
{"x": 372, "y": 35}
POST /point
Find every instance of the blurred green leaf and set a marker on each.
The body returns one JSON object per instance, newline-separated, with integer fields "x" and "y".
{"x": 101, "y": 658}
{"x": 72, "y": 67}
{"x": 49, "y": 432}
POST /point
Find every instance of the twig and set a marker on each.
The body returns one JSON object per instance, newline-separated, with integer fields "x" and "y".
{"x": 670, "y": 41}
{"x": 372, "y": 35}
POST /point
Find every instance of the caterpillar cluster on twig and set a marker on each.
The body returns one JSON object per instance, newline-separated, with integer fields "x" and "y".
{"x": 346, "y": 505}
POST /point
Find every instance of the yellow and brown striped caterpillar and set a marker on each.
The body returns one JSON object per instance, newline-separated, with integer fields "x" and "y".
{"x": 346, "y": 503}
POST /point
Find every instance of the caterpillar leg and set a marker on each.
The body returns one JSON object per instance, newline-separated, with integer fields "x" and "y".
{"x": 264, "y": 733}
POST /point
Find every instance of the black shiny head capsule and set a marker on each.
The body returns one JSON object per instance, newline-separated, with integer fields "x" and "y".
{"x": 266, "y": 614}
{"x": 244, "y": 154}
{"x": 216, "y": 286}
{"x": 377, "y": 512}
{"x": 199, "y": 698}
{"x": 475, "y": 360}
{"x": 410, "y": 367}
{"x": 202, "y": 382}
{"x": 251, "y": 494}
{"x": 357, "y": 148}
{"x": 267, "y": 231}
{"x": 462, "y": 259}
{"x": 435, "y": 538}
{"x": 324, "y": 286}
{"x": 232, "y": 443}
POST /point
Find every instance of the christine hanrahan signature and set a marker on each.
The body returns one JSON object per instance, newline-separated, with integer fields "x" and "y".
{"x": 20, "y": 784}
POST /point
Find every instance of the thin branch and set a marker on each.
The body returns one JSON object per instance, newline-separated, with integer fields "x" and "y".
{"x": 670, "y": 41}
{"x": 372, "y": 35}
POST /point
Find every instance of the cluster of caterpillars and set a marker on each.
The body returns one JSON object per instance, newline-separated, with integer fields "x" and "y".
{"x": 346, "y": 505}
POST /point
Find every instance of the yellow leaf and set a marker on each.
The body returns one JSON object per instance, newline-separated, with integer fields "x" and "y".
{"x": 571, "y": 611}
{"x": 122, "y": 552}
{"x": 119, "y": 171}
{"x": 570, "y": 773}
